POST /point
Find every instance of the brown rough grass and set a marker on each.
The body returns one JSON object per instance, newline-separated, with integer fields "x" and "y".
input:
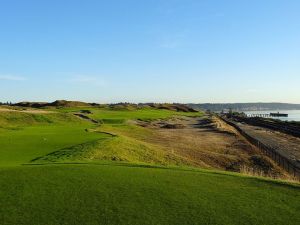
{"x": 204, "y": 142}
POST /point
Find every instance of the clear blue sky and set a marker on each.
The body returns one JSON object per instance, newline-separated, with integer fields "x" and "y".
{"x": 154, "y": 50}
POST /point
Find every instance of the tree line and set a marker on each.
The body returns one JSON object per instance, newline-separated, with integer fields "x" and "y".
{"x": 6, "y": 103}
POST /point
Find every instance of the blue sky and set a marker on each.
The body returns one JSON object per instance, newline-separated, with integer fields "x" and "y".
{"x": 154, "y": 50}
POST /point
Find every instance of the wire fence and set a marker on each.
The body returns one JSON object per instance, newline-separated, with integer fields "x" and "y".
{"x": 287, "y": 164}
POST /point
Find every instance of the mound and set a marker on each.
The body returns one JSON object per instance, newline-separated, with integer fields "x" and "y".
{"x": 57, "y": 103}
{"x": 118, "y": 106}
{"x": 177, "y": 107}
{"x": 174, "y": 107}
{"x": 64, "y": 103}
{"x": 31, "y": 104}
{"x": 123, "y": 106}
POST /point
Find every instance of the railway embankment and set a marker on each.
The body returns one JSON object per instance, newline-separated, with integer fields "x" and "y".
{"x": 274, "y": 140}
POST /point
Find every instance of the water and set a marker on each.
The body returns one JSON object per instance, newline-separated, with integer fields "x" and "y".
{"x": 294, "y": 115}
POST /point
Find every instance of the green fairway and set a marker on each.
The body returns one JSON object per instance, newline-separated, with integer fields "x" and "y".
{"x": 119, "y": 116}
{"x": 21, "y": 146}
{"x": 112, "y": 194}
{"x": 116, "y": 116}
{"x": 136, "y": 192}
{"x": 25, "y": 137}
{"x": 30, "y": 136}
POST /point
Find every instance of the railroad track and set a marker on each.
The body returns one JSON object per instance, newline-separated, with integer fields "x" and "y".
{"x": 278, "y": 153}
{"x": 285, "y": 127}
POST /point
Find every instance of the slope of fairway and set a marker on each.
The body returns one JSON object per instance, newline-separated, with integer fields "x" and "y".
{"x": 117, "y": 116}
{"x": 114, "y": 194}
{"x": 62, "y": 136}
{"x": 24, "y": 145}
{"x": 24, "y": 137}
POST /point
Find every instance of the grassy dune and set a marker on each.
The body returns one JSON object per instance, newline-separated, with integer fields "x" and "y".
{"x": 95, "y": 190}
{"x": 110, "y": 116}
{"x": 61, "y": 136}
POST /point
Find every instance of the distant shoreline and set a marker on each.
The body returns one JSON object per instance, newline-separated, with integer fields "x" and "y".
{"x": 242, "y": 107}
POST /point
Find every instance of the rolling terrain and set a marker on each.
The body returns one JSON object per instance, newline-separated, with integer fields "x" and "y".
{"x": 132, "y": 165}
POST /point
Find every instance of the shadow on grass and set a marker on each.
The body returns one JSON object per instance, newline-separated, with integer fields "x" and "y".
{"x": 293, "y": 184}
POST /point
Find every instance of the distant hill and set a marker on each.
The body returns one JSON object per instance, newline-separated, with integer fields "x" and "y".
{"x": 119, "y": 106}
{"x": 245, "y": 106}
{"x": 168, "y": 106}
{"x": 175, "y": 107}
{"x": 57, "y": 103}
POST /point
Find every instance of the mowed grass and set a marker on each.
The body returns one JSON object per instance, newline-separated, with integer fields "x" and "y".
{"x": 121, "y": 193}
{"x": 125, "y": 144}
{"x": 24, "y": 137}
{"x": 24, "y": 145}
{"x": 114, "y": 194}
{"x": 117, "y": 116}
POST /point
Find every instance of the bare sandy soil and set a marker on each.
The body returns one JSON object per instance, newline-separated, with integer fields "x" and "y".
{"x": 211, "y": 143}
